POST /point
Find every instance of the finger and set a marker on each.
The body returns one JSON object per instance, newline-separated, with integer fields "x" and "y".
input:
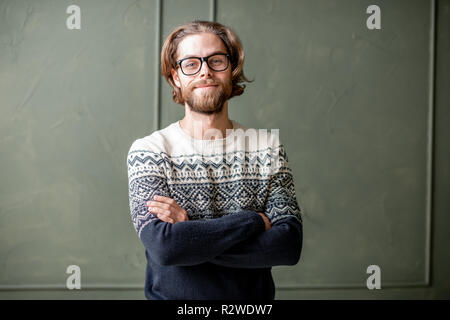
{"x": 164, "y": 199}
{"x": 165, "y": 218}
{"x": 159, "y": 210}
{"x": 157, "y": 204}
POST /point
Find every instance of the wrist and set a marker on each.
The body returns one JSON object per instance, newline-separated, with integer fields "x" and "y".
{"x": 266, "y": 220}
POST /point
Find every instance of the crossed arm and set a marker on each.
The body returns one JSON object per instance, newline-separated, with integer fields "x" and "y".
{"x": 244, "y": 239}
{"x": 232, "y": 241}
{"x": 193, "y": 242}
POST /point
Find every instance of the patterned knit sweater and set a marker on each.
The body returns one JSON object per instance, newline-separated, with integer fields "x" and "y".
{"x": 223, "y": 251}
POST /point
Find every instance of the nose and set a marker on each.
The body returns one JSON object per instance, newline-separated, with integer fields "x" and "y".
{"x": 205, "y": 71}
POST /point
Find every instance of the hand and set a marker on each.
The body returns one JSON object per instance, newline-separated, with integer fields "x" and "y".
{"x": 266, "y": 220}
{"x": 167, "y": 209}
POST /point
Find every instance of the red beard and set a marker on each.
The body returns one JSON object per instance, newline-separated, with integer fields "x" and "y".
{"x": 207, "y": 101}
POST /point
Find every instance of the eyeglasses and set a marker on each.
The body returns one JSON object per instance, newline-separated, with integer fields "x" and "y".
{"x": 192, "y": 65}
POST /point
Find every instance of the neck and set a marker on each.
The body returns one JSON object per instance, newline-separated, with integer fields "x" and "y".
{"x": 206, "y": 126}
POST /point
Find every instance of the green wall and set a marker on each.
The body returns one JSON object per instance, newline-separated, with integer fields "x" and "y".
{"x": 363, "y": 114}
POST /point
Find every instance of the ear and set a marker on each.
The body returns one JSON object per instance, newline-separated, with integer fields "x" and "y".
{"x": 175, "y": 78}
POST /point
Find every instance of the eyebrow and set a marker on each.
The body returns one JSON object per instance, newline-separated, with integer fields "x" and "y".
{"x": 192, "y": 56}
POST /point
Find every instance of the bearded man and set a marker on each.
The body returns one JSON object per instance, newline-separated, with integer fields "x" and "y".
{"x": 214, "y": 211}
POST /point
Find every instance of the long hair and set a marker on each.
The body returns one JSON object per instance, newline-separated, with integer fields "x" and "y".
{"x": 229, "y": 38}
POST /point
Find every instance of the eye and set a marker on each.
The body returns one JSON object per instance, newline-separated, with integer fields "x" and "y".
{"x": 190, "y": 64}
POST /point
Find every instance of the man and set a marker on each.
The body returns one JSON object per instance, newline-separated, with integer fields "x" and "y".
{"x": 213, "y": 214}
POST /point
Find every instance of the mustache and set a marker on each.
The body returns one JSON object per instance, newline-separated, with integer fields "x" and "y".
{"x": 205, "y": 82}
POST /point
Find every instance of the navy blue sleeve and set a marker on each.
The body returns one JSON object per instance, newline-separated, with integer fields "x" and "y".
{"x": 183, "y": 243}
{"x": 198, "y": 241}
{"x": 280, "y": 245}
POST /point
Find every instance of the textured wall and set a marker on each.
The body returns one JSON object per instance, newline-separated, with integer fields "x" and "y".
{"x": 362, "y": 114}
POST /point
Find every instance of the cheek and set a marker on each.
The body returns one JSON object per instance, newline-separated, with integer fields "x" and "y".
{"x": 227, "y": 77}
{"x": 185, "y": 83}
{"x": 224, "y": 77}
{"x": 227, "y": 81}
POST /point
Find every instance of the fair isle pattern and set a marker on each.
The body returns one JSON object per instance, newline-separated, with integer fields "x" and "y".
{"x": 212, "y": 186}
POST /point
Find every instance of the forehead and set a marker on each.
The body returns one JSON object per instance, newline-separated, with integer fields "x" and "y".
{"x": 200, "y": 45}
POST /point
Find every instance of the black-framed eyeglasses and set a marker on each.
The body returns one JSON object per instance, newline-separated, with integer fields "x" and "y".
{"x": 192, "y": 65}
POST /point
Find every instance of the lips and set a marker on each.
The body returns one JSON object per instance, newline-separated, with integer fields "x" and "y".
{"x": 206, "y": 86}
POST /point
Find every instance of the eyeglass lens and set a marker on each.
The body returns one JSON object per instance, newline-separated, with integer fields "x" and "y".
{"x": 193, "y": 65}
